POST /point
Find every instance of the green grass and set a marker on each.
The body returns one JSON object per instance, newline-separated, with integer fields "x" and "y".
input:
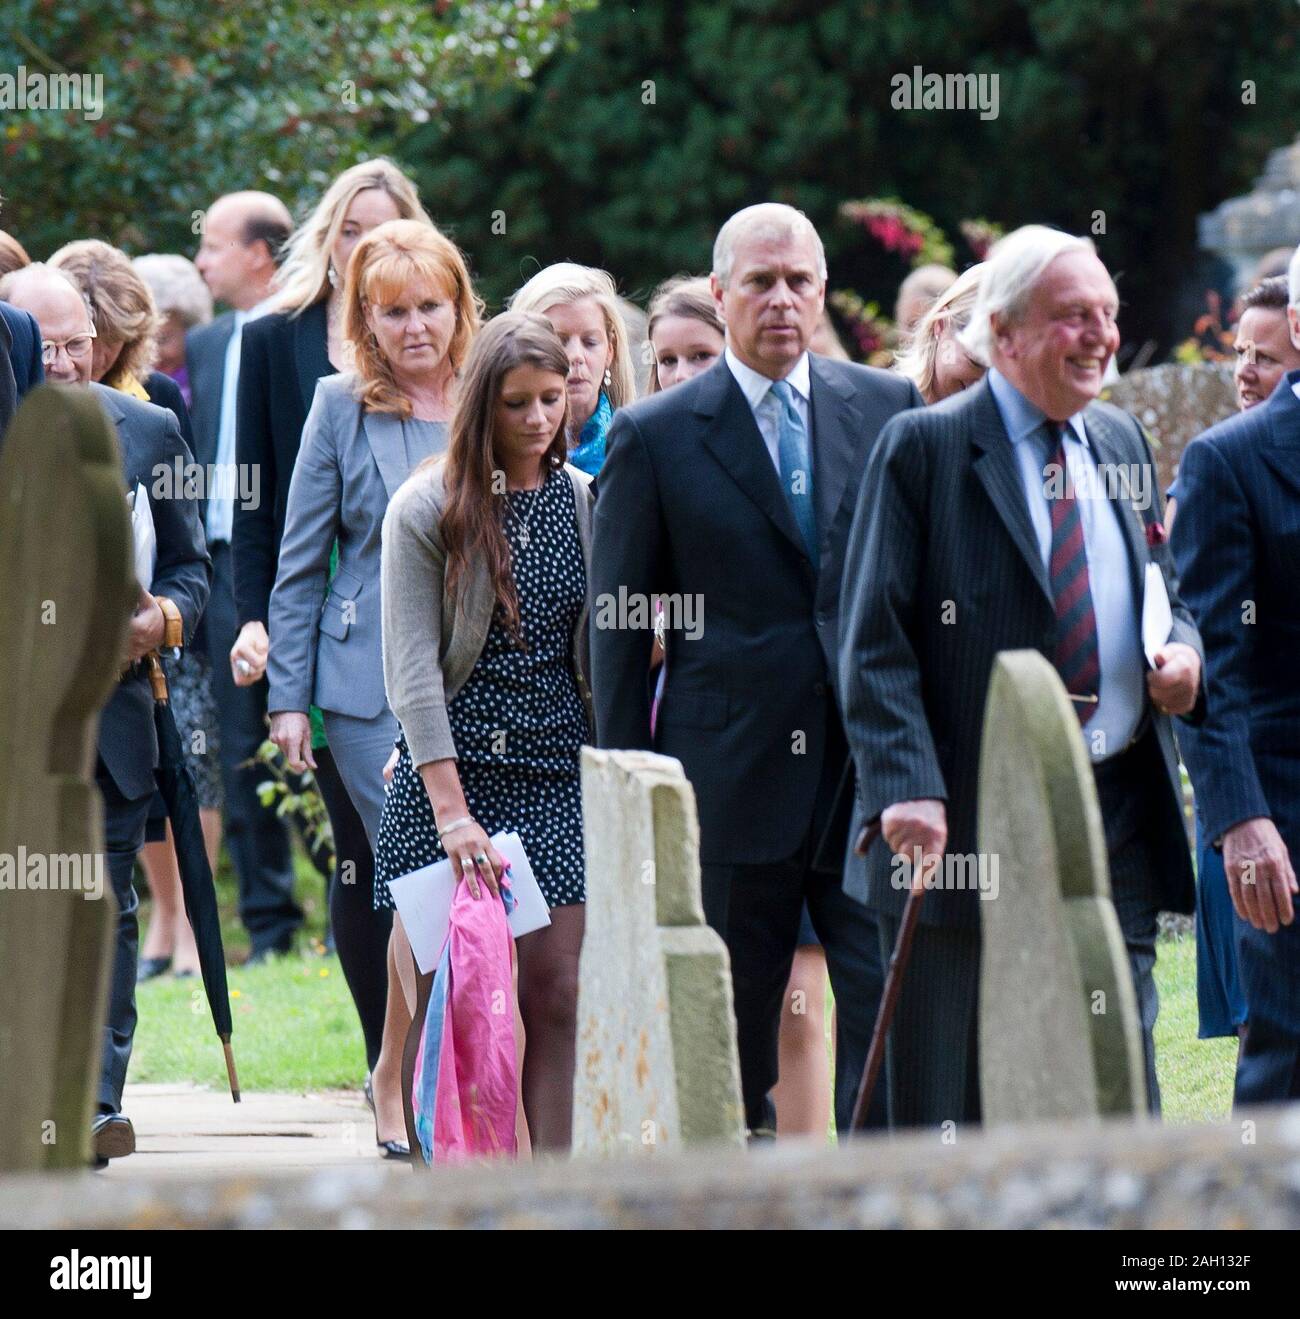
{"x": 1195, "y": 1075}
{"x": 296, "y": 1029}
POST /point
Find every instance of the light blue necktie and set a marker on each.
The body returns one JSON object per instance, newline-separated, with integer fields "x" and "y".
{"x": 795, "y": 458}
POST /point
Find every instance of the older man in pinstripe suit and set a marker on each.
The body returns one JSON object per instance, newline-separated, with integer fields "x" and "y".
{"x": 1019, "y": 513}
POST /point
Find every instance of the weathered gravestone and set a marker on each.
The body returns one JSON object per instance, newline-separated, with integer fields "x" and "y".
{"x": 1244, "y": 229}
{"x": 1175, "y": 403}
{"x": 1059, "y": 1029}
{"x": 657, "y": 1065}
{"x": 66, "y": 590}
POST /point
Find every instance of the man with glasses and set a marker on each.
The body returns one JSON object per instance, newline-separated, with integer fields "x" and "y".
{"x": 165, "y": 615}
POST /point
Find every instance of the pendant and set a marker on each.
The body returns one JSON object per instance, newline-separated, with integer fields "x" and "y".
{"x": 523, "y": 538}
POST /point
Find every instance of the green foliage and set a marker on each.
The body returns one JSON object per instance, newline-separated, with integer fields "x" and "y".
{"x": 201, "y": 99}
{"x": 1131, "y": 116}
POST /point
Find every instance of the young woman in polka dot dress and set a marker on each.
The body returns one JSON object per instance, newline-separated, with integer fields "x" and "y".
{"x": 485, "y": 658}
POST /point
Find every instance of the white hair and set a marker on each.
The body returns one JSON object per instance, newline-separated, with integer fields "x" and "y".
{"x": 773, "y": 221}
{"x": 178, "y": 288}
{"x": 1293, "y": 279}
{"x": 1015, "y": 264}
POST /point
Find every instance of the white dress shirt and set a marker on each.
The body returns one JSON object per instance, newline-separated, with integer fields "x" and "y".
{"x": 766, "y": 407}
{"x": 1123, "y": 691}
{"x": 224, "y": 483}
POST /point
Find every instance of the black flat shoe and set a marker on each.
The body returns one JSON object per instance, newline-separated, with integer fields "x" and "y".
{"x": 112, "y": 1137}
{"x": 397, "y": 1150}
{"x": 152, "y": 967}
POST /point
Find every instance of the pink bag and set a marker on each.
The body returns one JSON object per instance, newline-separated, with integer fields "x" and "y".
{"x": 465, "y": 1090}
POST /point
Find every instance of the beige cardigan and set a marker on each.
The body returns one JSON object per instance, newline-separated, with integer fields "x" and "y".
{"x": 420, "y": 627}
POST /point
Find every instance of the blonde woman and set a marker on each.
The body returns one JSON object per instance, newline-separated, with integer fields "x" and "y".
{"x": 409, "y": 315}
{"x": 581, "y": 304}
{"x": 934, "y": 361}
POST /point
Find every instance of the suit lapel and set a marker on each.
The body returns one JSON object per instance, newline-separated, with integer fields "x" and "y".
{"x": 384, "y": 435}
{"x": 1282, "y": 453}
{"x": 731, "y": 434}
{"x": 999, "y": 474}
{"x": 834, "y": 443}
{"x": 311, "y": 351}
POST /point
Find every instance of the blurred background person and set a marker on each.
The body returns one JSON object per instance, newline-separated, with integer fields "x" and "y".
{"x": 934, "y": 360}
{"x": 916, "y": 295}
{"x": 183, "y": 302}
{"x": 13, "y": 256}
{"x": 284, "y": 354}
{"x": 125, "y": 349}
{"x": 409, "y": 315}
{"x": 1263, "y": 344}
{"x": 825, "y": 342}
{"x": 582, "y": 305}
{"x": 243, "y": 233}
{"x": 486, "y": 662}
{"x": 685, "y": 331}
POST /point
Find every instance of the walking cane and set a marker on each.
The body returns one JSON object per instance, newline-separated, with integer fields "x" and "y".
{"x": 893, "y": 983}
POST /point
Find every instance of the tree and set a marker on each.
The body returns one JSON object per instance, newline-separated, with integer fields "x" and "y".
{"x": 1122, "y": 121}
{"x": 200, "y": 99}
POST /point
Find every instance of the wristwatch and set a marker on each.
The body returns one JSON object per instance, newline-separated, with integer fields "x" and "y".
{"x": 174, "y": 626}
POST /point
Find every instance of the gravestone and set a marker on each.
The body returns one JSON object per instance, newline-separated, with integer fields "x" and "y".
{"x": 1175, "y": 403}
{"x": 66, "y": 596}
{"x": 1058, "y": 1020}
{"x": 657, "y": 1065}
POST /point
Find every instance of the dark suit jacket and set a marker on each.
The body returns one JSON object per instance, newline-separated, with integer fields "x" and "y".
{"x": 281, "y": 359}
{"x": 205, "y": 358}
{"x": 20, "y": 360}
{"x": 24, "y": 348}
{"x": 689, "y": 504}
{"x": 150, "y": 439}
{"x": 1237, "y": 540}
{"x": 942, "y": 517}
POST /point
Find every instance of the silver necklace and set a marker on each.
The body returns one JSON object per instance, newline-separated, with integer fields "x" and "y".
{"x": 523, "y": 522}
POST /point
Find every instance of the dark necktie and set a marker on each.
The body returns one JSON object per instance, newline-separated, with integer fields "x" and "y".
{"x": 1075, "y": 652}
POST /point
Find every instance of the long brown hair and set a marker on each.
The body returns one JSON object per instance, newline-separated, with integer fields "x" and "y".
{"x": 472, "y": 475}
{"x": 686, "y": 296}
{"x": 388, "y": 261}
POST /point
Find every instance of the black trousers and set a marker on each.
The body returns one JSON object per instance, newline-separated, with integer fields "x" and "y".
{"x": 258, "y": 842}
{"x": 757, "y": 909}
{"x": 124, "y": 822}
{"x": 933, "y": 1053}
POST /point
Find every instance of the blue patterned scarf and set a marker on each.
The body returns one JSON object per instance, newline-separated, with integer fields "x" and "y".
{"x": 589, "y": 453}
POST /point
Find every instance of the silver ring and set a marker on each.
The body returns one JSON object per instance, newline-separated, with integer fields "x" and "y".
{"x": 466, "y": 864}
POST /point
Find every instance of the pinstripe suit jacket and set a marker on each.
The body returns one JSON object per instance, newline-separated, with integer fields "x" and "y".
{"x": 944, "y": 571}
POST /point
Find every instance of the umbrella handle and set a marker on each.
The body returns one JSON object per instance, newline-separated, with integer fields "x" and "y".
{"x": 231, "y": 1075}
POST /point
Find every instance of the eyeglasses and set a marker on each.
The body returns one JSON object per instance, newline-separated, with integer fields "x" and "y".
{"x": 76, "y": 348}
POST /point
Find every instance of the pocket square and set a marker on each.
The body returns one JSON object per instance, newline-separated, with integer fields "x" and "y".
{"x": 1156, "y": 533}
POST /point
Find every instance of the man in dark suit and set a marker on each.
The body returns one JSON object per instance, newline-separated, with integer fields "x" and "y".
{"x": 242, "y": 235}
{"x": 969, "y": 540}
{"x": 20, "y": 360}
{"x": 166, "y": 615}
{"x": 1237, "y": 542}
{"x": 731, "y": 496}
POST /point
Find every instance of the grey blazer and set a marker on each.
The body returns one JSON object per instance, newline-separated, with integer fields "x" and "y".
{"x": 327, "y": 650}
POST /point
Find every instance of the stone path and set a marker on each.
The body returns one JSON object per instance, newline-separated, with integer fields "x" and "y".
{"x": 181, "y": 1129}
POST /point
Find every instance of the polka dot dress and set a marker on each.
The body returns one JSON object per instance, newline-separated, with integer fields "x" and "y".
{"x": 518, "y": 722}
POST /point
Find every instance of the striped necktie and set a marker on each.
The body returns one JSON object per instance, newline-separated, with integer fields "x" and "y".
{"x": 796, "y": 465}
{"x": 1075, "y": 652}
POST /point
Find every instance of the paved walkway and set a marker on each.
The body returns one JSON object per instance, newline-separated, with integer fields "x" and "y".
{"x": 182, "y": 1129}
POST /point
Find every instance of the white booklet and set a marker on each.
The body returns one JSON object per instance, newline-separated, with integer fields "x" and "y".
{"x": 1157, "y": 617}
{"x": 145, "y": 539}
{"x": 424, "y": 897}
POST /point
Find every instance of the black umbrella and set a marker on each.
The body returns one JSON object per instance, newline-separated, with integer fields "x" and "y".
{"x": 176, "y": 783}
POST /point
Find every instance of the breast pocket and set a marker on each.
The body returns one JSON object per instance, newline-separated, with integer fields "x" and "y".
{"x": 340, "y": 609}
